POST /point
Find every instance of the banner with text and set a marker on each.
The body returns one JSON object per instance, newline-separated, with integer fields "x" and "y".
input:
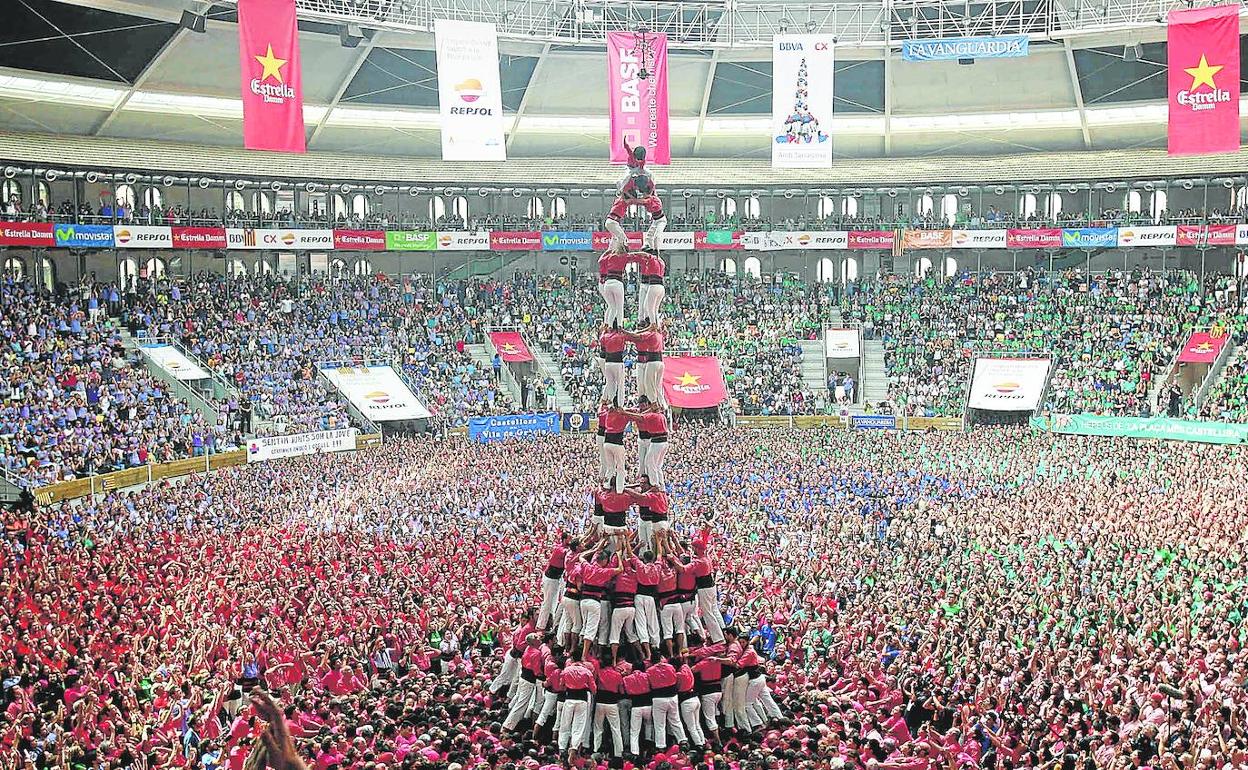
{"x": 248, "y": 239}
{"x": 486, "y": 429}
{"x": 1202, "y": 348}
{"x": 637, "y": 102}
{"x": 779, "y": 239}
{"x": 470, "y": 97}
{"x": 411, "y": 240}
{"x": 464, "y": 241}
{"x": 563, "y": 240}
{"x": 272, "y": 77}
{"x": 1144, "y": 427}
{"x": 717, "y": 239}
{"x": 511, "y": 347}
{"x": 979, "y": 239}
{"x": 84, "y": 236}
{"x": 693, "y": 382}
{"x": 1131, "y": 237}
{"x": 873, "y": 422}
{"x": 173, "y": 361}
{"x": 926, "y": 239}
{"x": 1003, "y": 47}
{"x": 841, "y": 343}
{"x": 1090, "y": 237}
{"x": 377, "y": 391}
{"x": 360, "y": 240}
{"x": 802, "y": 71}
{"x": 299, "y": 444}
{"x": 602, "y": 240}
{"x": 142, "y": 237}
{"x": 199, "y": 238}
{"x": 27, "y": 234}
{"x": 1202, "y": 49}
{"x": 1206, "y": 235}
{"x": 511, "y": 240}
{"x": 1008, "y": 384}
{"x": 1035, "y": 238}
{"x": 872, "y": 240}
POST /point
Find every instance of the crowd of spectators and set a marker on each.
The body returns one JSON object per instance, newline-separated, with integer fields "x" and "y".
{"x": 996, "y": 599}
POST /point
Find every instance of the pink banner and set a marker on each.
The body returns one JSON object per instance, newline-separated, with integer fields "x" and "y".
{"x": 1041, "y": 238}
{"x": 871, "y": 239}
{"x": 1202, "y": 47}
{"x": 637, "y": 90}
{"x": 511, "y": 347}
{"x": 268, "y": 53}
{"x": 1206, "y": 235}
{"x": 602, "y": 240}
{"x": 1201, "y": 348}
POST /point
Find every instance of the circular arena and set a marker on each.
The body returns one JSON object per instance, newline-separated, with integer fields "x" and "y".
{"x": 623, "y": 384}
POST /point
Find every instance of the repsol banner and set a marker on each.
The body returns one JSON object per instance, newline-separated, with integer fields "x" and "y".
{"x": 1008, "y": 384}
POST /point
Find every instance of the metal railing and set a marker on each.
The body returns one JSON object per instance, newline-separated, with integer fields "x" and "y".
{"x": 363, "y": 422}
{"x": 221, "y": 387}
{"x": 1215, "y": 371}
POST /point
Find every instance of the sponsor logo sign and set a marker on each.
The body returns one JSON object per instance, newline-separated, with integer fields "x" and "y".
{"x": 1206, "y": 235}
{"x": 1008, "y": 384}
{"x": 602, "y": 240}
{"x": 873, "y": 422}
{"x": 199, "y": 237}
{"x": 1132, "y": 237}
{"x": 360, "y": 240}
{"x": 561, "y": 240}
{"x": 411, "y": 240}
{"x": 298, "y": 444}
{"x": 871, "y": 240}
{"x": 84, "y": 236}
{"x": 979, "y": 239}
{"x": 509, "y": 240}
{"x": 142, "y": 237}
{"x": 486, "y": 429}
{"x": 1002, "y": 47}
{"x": 1034, "y": 238}
{"x": 1090, "y": 237}
{"x": 455, "y": 240}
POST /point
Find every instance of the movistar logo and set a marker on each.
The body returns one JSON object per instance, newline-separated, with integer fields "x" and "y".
{"x": 550, "y": 240}
{"x": 70, "y": 234}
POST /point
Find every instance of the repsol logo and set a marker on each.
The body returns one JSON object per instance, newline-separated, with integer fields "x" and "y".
{"x": 471, "y": 111}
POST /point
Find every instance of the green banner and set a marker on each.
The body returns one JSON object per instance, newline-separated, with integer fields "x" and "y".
{"x": 1144, "y": 427}
{"x": 719, "y": 237}
{"x": 411, "y": 240}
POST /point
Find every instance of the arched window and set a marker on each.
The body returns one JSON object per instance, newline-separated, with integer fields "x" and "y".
{"x": 729, "y": 266}
{"x": 459, "y": 207}
{"x": 14, "y": 268}
{"x": 156, "y": 268}
{"x": 127, "y": 272}
{"x": 753, "y": 209}
{"x": 949, "y": 208}
{"x": 261, "y": 202}
{"x": 359, "y": 206}
{"x": 43, "y": 194}
{"x": 827, "y": 271}
{"x": 1027, "y": 206}
{"x": 124, "y": 196}
{"x": 234, "y": 201}
{"x": 826, "y": 207}
{"x": 437, "y": 208}
{"x": 728, "y": 207}
{"x": 951, "y": 267}
{"x": 1157, "y": 206}
{"x": 264, "y": 266}
{"x": 558, "y": 207}
{"x": 537, "y": 209}
{"x": 337, "y": 267}
{"x": 849, "y": 206}
{"x": 152, "y": 197}
{"x": 363, "y": 267}
{"x": 47, "y": 274}
{"x": 925, "y": 205}
{"x": 849, "y": 269}
{"x": 922, "y": 266}
{"x": 1241, "y": 265}
{"x": 1053, "y": 206}
{"x": 340, "y": 206}
{"x": 753, "y": 267}
{"x": 1239, "y": 197}
{"x": 1133, "y": 202}
{"x": 237, "y": 268}
{"x": 12, "y": 189}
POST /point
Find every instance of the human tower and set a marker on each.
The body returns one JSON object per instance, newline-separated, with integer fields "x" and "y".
{"x": 628, "y": 649}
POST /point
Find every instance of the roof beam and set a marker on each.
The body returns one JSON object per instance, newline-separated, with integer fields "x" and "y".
{"x": 1074, "y": 83}
{"x": 148, "y": 69}
{"x": 528, "y": 89}
{"x": 706, "y": 99}
{"x": 352, "y": 71}
{"x": 888, "y": 100}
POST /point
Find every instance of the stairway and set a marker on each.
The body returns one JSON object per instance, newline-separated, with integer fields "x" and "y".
{"x": 550, "y": 368}
{"x": 874, "y": 378}
{"x": 815, "y": 365}
{"x": 481, "y": 357}
{"x": 201, "y": 401}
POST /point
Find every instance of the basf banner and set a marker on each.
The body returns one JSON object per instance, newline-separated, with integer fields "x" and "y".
{"x": 457, "y": 241}
{"x": 841, "y": 343}
{"x": 377, "y": 391}
{"x": 487, "y": 429}
{"x": 172, "y": 360}
{"x": 1008, "y": 384}
{"x": 411, "y": 240}
{"x": 298, "y": 444}
{"x": 470, "y": 98}
{"x": 1004, "y": 47}
{"x": 1130, "y": 236}
{"x": 637, "y": 102}
{"x": 801, "y": 100}
{"x": 926, "y": 239}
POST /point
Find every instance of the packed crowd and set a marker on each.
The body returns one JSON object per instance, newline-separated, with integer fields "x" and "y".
{"x": 1110, "y": 334}
{"x": 997, "y": 599}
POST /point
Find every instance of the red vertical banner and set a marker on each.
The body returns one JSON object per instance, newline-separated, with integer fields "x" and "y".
{"x": 1203, "y": 75}
{"x": 268, "y": 55}
{"x": 637, "y": 90}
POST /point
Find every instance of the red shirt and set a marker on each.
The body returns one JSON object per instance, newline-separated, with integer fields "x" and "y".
{"x": 613, "y": 263}
{"x": 652, "y": 266}
{"x": 609, "y": 680}
{"x": 661, "y": 675}
{"x": 626, "y": 581}
{"x": 612, "y": 501}
{"x": 748, "y": 657}
{"x": 532, "y": 660}
{"x": 684, "y": 678}
{"x": 578, "y": 677}
{"x": 685, "y": 579}
{"x": 655, "y": 500}
{"x": 648, "y": 574}
{"x": 614, "y": 421}
{"x": 650, "y": 342}
{"x": 708, "y": 670}
{"x": 597, "y": 577}
{"x": 667, "y": 580}
{"x": 613, "y": 341}
{"x": 558, "y": 557}
{"x": 652, "y": 422}
{"x": 637, "y": 683}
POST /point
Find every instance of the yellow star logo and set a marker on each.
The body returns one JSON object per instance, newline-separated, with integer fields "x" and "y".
{"x": 688, "y": 379}
{"x": 1202, "y": 74}
{"x": 510, "y": 348}
{"x": 1203, "y": 347}
{"x": 273, "y": 66}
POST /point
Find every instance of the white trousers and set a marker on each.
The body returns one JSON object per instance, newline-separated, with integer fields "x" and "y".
{"x": 612, "y": 291}
{"x": 654, "y": 462}
{"x": 572, "y": 726}
{"x": 570, "y": 622}
{"x": 519, "y": 705}
{"x": 507, "y": 675}
{"x": 672, "y": 620}
{"x": 651, "y": 302}
{"x": 619, "y": 238}
{"x": 603, "y": 462}
{"x": 740, "y": 719}
{"x": 646, "y": 620}
{"x": 551, "y": 589}
{"x": 610, "y": 714}
{"x": 613, "y": 390}
{"x": 615, "y": 464}
{"x": 604, "y": 621}
{"x": 665, "y": 714}
{"x": 710, "y": 709}
{"x": 549, "y": 702}
{"x": 712, "y": 618}
{"x": 643, "y": 449}
{"x": 591, "y": 615}
{"x": 622, "y": 623}
{"x": 650, "y": 381}
{"x": 654, "y": 234}
{"x": 636, "y": 718}
{"x": 690, "y": 707}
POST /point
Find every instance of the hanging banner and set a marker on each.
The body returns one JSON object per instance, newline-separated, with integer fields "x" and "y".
{"x": 84, "y": 236}
{"x": 1135, "y": 237}
{"x": 142, "y": 237}
{"x": 27, "y": 234}
{"x": 926, "y": 239}
{"x": 377, "y": 391}
{"x": 360, "y": 240}
{"x": 841, "y": 343}
{"x": 602, "y": 240}
{"x": 562, "y": 240}
{"x": 802, "y": 69}
{"x": 1202, "y": 47}
{"x": 511, "y": 347}
{"x": 1036, "y": 238}
{"x": 272, "y": 79}
{"x": 508, "y": 240}
{"x": 461, "y": 241}
{"x": 1004, "y": 47}
{"x": 487, "y": 429}
{"x": 979, "y": 239}
{"x": 713, "y": 240}
{"x": 470, "y": 98}
{"x": 677, "y": 241}
{"x": 872, "y": 240}
{"x": 1144, "y": 427}
{"x": 299, "y": 444}
{"x": 1008, "y": 384}
{"x": 199, "y": 237}
{"x": 637, "y": 94}
{"x": 411, "y": 240}
{"x": 693, "y": 382}
{"x": 1201, "y": 348}
{"x": 577, "y": 422}
{"x": 1206, "y": 235}
{"x": 873, "y": 422}
{"x": 174, "y": 362}
{"x": 1090, "y": 238}
{"x": 248, "y": 239}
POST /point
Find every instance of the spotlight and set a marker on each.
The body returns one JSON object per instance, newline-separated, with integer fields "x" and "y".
{"x": 194, "y": 22}
{"x": 784, "y": 26}
{"x": 350, "y": 35}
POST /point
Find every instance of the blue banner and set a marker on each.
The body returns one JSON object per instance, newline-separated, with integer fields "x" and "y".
{"x": 1090, "y": 238}
{"x": 1004, "y": 47}
{"x": 84, "y": 236}
{"x": 874, "y": 422}
{"x": 577, "y": 422}
{"x": 562, "y": 240}
{"x": 486, "y": 429}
